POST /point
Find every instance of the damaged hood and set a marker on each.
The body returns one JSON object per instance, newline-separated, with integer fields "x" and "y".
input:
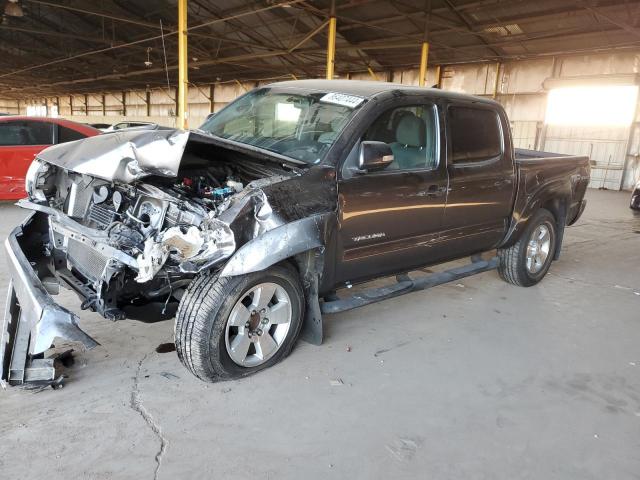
{"x": 123, "y": 156}
{"x": 127, "y": 156}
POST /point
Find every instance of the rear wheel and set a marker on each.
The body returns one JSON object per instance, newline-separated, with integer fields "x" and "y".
{"x": 234, "y": 326}
{"x": 527, "y": 261}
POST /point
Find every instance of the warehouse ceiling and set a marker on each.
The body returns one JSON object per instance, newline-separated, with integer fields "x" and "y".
{"x": 54, "y": 47}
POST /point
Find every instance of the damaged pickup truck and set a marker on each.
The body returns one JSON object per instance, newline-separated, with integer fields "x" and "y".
{"x": 245, "y": 228}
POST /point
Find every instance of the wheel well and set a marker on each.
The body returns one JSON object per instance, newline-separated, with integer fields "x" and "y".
{"x": 558, "y": 208}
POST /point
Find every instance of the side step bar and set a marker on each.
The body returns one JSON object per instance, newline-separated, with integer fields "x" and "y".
{"x": 406, "y": 284}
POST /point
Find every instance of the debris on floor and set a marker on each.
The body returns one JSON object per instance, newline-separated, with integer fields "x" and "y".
{"x": 65, "y": 358}
{"x": 166, "y": 347}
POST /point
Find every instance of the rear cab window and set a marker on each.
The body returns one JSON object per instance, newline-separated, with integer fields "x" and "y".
{"x": 475, "y": 134}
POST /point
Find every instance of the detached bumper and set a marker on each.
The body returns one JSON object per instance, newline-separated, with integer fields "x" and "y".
{"x": 32, "y": 319}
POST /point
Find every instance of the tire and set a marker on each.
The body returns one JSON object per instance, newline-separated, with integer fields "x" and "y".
{"x": 205, "y": 332}
{"x": 516, "y": 263}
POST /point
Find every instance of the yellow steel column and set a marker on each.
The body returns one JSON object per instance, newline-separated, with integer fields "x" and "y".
{"x": 496, "y": 84}
{"x": 331, "y": 48}
{"x": 423, "y": 63}
{"x": 183, "y": 61}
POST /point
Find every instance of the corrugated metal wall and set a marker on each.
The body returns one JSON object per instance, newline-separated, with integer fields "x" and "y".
{"x": 519, "y": 88}
{"x": 606, "y": 146}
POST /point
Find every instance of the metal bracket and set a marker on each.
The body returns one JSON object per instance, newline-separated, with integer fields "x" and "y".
{"x": 40, "y": 370}
{"x": 16, "y": 336}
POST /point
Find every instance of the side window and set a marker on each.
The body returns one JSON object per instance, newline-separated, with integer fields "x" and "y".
{"x": 40, "y": 133}
{"x": 411, "y": 131}
{"x": 13, "y": 134}
{"x": 68, "y": 135}
{"x": 26, "y": 133}
{"x": 475, "y": 134}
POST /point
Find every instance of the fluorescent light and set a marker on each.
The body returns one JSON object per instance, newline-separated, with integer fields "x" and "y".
{"x": 605, "y": 105}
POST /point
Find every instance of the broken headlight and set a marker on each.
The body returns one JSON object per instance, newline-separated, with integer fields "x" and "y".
{"x": 34, "y": 180}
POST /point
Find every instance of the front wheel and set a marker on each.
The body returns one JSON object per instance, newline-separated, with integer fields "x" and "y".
{"x": 527, "y": 261}
{"x": 231, "y": 327}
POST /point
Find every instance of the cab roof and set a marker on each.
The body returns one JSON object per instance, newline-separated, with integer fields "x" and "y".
{"x": 370, "y": 89}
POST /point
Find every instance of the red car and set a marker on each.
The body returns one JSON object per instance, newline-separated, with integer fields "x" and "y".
{"x": 22, "y": 138}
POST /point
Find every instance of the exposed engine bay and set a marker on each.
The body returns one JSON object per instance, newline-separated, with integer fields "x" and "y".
{"x": 107, "y": 238}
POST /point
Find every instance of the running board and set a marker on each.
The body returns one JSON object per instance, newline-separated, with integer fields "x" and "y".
{"x": 406, "y": 284}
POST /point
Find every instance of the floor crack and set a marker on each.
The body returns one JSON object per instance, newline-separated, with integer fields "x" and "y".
{"x": 137, "y": 405}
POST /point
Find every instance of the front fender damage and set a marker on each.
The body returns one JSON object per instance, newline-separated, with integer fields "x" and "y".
{"x": 275, "y": 245}
{"x": 303, "y": 241}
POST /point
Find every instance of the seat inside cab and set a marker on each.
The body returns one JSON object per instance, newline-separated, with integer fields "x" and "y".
{"x": 411, "y": 133}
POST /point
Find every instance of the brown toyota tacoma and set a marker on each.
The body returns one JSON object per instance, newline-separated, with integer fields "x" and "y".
{"x": 245, "y": 228}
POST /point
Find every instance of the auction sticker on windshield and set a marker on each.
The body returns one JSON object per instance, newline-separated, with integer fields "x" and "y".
{"x": 351, "y": 101}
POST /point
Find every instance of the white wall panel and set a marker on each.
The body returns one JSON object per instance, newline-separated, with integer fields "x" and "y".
{"x": 524, "y": 107}
{"x": 606, "y": 146}
{"x": 476, "y": 79}
{"x": 526, "y": 76}
{"x": 603, "y": 64}
{"x": 9, "y": 106}
{"x": 525, "y": 134}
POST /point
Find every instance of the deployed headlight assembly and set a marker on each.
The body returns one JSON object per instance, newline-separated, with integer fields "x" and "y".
{"x": 31, "y": 185}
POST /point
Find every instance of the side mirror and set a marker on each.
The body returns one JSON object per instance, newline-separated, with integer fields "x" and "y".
{"x": 374, "y": 156}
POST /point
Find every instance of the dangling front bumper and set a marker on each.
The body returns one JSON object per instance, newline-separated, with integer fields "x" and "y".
{"x": 32, "y": 318}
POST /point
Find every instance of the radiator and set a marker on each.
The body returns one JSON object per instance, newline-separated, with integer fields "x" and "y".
{"x": 86, "y": 260}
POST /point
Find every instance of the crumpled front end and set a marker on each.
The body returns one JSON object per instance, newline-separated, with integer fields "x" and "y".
{"x": 128, "y": 246}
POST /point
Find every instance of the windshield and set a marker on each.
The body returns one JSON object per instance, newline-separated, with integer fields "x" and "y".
{"x": 302, "y": 126}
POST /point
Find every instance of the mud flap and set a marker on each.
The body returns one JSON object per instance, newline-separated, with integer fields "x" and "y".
{"x": 310, "y": 266}
{"x": 312, "y": 329}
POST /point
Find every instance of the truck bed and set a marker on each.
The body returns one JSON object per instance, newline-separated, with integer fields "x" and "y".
{"x": 550, "y": 180}
{"x": 523, "y": 155}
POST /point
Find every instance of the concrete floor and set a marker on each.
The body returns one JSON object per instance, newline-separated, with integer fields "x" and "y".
{"x": 473, "y": 380}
